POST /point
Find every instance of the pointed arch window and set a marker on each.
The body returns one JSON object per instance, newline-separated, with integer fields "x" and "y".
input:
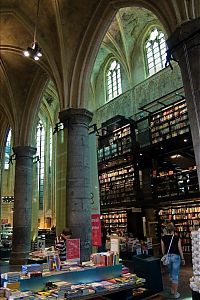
{"x": 114, "y": 84}
{"x": 40, "y": 154}
{"x": 50, "y": 146}
{"x": 7, "y": 151}
{"x": 155, "y": 49}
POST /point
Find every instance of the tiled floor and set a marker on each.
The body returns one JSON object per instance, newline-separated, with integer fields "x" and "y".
{"x": 184, "y": 289}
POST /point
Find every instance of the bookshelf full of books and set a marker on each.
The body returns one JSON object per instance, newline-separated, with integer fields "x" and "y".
{"x": 116, "y": 219}
{"x": 186, "y": 218}
{"x": 115, "y": 143}
{"x": 169, "y": 122}
{"x": 175, "y": 182}
{"x": 117, "y": 166}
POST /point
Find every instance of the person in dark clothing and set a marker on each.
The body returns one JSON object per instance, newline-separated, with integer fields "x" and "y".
{"x": 175, "y": 257}
{"x": 60, "y": 243}
{"x": 103, "y": 237}
{"x": 103, "y": 233}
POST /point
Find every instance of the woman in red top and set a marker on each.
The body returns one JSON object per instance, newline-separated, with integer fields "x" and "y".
{"x": 175, "y": 257}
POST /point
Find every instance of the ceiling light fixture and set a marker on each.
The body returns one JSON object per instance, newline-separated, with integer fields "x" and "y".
{"x": 175, "y": 156}
{"x": 34, "y": 52}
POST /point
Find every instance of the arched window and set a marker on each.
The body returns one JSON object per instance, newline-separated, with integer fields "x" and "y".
{"x": 41, "y": 156}
{"x": 114, "y": 85}
{"x": 50, "y": 146}
{"x": 155, "y": 49}
{"x": 7, "y": 150}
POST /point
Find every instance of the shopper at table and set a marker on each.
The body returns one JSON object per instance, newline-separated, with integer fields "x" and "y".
{"x": 103, "y": 237}
{"x": 175, "y": 257}
{"x": 60, "y": 243}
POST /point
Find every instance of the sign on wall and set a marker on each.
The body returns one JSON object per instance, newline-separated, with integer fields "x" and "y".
{"x": 96, "y": 230}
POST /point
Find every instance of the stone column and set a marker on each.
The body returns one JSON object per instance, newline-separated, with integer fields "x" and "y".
{"x": 1, "y": 171}
{"x": 184, "y": 45}
{"x": 78, "y": 176}
{"x": 21, "y": 243}
{"x": 61, "y": 163}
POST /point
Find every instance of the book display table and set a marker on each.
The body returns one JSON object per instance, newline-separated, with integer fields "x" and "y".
{"x": 98, "y": 282}
{"x": 84, "y": 276}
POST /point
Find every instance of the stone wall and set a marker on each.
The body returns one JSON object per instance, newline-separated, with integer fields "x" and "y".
{"x": 154, "y": 87}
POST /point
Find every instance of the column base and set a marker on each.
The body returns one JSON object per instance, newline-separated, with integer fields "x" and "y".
{"x": 85, "y": 251}
{"x": 85, "y": 256}
{"x": 18, "y": 258}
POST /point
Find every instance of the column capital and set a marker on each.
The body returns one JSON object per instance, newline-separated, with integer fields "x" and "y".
{"x": 24, "y": 151}
{"x": 183, "y": 34}
{"x": 184, "y": 45}
{"x": 76, "y": 116}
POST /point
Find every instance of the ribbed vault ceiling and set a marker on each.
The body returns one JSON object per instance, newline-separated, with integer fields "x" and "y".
{"x": 124, "y": 32}
{"x": 70, "y": 34}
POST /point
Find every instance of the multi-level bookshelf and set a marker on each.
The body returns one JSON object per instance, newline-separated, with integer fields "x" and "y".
{"x": 117, "y": 186}
{"x": 115, "y": 220}
{"x": 175, "y": 183}
{"x": 185, "y": 219}
{"x": 169, "y": 122}
{"x": 117, "y": 166}
{"x": 116, "y": 143}
{"x": 118, "y": 172}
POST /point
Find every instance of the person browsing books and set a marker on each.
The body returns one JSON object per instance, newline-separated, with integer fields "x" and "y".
{"x": 175, "y": 257}
{"x": 60, "y": 243}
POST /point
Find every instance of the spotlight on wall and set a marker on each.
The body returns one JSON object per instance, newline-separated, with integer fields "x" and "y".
{"x": 34, "y": 52}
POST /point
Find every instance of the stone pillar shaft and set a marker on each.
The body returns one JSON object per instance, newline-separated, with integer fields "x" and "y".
{"x": 78, "y": 176}
{"x": 21, "y": 244}
{"x": 185, "y": 47}
{"x": 1, "y": 170}
{"x": 61, "y": 163}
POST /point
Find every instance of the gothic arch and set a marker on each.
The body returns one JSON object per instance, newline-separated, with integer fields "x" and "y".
{"x": 93, "y": 37}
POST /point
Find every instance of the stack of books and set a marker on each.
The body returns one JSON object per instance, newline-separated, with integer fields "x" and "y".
{"x": 105, "y": 258}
